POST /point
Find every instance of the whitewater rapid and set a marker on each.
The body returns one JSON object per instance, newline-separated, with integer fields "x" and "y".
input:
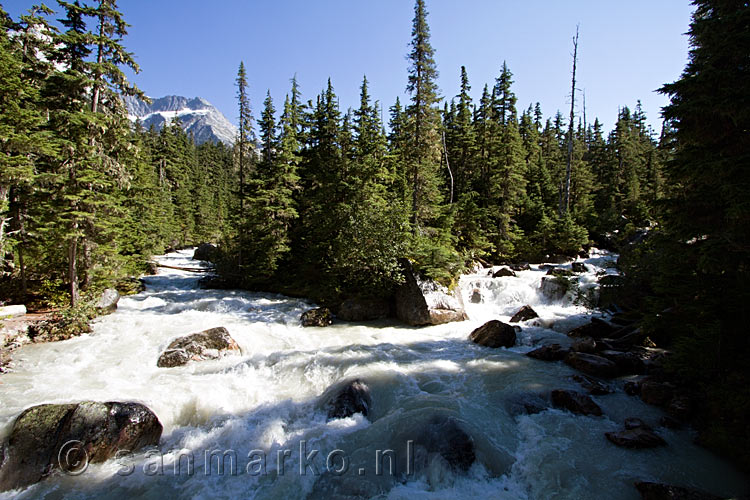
{"x": 267, "y": 400}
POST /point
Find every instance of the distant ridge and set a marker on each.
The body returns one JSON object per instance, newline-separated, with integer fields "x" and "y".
{"x": 197, "y": 117}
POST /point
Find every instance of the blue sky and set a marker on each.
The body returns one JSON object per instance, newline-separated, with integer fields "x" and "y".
{"x": 193, "y": 48}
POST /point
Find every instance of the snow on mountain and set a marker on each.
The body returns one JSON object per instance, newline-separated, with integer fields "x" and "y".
{"x": 197, "y": 117}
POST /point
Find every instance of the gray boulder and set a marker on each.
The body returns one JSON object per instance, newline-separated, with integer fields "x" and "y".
{"x": 51, "y": 437}
{"x": 494, "y": 334}
{"x": 107, "y": 303}
{"x": 208, "y": 344}
{"x": 420, "y": 303}
{"x": 554, "y": 287}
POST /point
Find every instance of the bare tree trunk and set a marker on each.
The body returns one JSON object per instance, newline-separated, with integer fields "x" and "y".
{"x": 447, "y": 164}
{"x": 565, "y": 205}
{"x": 99, "y": 59}
{"x": 72, "y": 272}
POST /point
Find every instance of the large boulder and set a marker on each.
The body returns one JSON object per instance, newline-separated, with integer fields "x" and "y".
{"x": 51, "y": 437}
{"x": 587, "y": 345}
{"x": 592, "y": 386}
{"x": 107, "y": 303}
{"x": 420, "y": 303}
{"x": 208, "y": 344}
{"x": 591, "y": 364}
{"x": 344, "y": 401}
{"x": 575, "y": 402}
{"x": 656, "y": 393}
{"x": 524, "y": 314}
{"x": 554, "y": 287}
{"x": 627, "y": 362}
{"x": 11, "y": 311}
{"x": 503, "y": 272}
{"x": 494, "y": 334}
{"x": 658, "y": 491}
{"x": 205, "y": 251}
{"x": 579, "y": 267}
{"x": 363, "y": 309}
{"x": 320, "y": 316}
{"x": 551, "y": 352}
{"x": 521, "y": 266}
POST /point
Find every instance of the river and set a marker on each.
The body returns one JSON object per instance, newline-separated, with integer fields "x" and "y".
{"x": 257, "y": 404}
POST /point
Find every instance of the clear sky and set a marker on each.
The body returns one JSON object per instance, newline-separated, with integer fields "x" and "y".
{"x": 193, "y": 48}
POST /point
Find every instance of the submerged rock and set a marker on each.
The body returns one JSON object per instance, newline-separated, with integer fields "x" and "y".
{"x": 421, "y": 303}
{"x": 107, "y": 303}
{"x": 205, "y": 251}
{"x": 363, "y": 309}
{"x": 593, "y": 387}
{"x": 443, "y": 438}
{"x": 208, "y": 344}
{"x": 494, "y": 334}
{"x": 575, "y": 402}
{"x": 353, "y": 397}
{"x": 591, "y": 364}
{"x": 658, "y": 491}
{"x": 50, "y": 437}
{"x": 552, "y": 352}
{"x": 320, "y": 316}
{"x": 524, "y": 314}
{"x": 527, "y": 403}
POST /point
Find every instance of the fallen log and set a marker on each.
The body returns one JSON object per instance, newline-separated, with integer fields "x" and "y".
{"x": 189, "y": 269}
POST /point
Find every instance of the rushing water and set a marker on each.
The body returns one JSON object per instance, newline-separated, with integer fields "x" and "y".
{"x": 267, "y": 399}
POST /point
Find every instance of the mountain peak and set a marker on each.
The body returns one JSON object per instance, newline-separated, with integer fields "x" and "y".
{"x": 197, "y": 117}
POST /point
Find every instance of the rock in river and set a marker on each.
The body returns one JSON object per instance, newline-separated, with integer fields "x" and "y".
{"x": 494, "y": 334}
{"x": 320, "y": 316}
{"x": 49, "y": 437}
{"x": 524, "y": 314}
{"x": 575, "y": 402}
{"x": 344, "y": 401}
{"x": 107, "y": 303}
{"x": 420, "y": 303}
{"x": 208, "y": 344}
{"x": 591, "y": 364}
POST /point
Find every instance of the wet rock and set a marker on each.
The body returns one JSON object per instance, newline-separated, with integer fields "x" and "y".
{"x": 151, "y": 268}
{"x": 587, "y": 345}
{"x": 354, "y": 397}
{"x": 657, "y": 491}
{"x": 635, "y": 423}
{"x": 503, "y": 272}
{"x": 208, "y": 344}
{"x": 554, "y": 288}
{"x": 320, "y": 316}
{"x": 558, "y": 259}
{"x": 596, "y": 329}
{"x": 524, "y": 314}
{"x": 521, "y": 266}
{"x": 575, "y": 402}
{"x": 551, "y": 352}
{"x": 670, "y": 422}
{"x": 632, "y": 388}
{"x": 420, "y": 303}
{"x": 205, "y": 251}
{"x": 592, "y": 386}
{"x": 579, "y": 267}
{"x": 444, "y": 437}
{"x": 527, "y": 404}
{"x": 656, "y": 393}
{"x": 476, "y": 296}
{"x": 638, "y": 437}
{"x": 627, "y": 362}
{"x": 11, "y": 311}
{"x": 107, "y": 303}
{"x": 80, "y": 433}
{"x": 494, "y": 334}
{"x": 363, "y": 309}
{"x": 563, "y": 273}
{"x": 591, "y": 364}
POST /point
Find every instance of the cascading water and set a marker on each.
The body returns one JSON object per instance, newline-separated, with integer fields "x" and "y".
{"x": 253, "y": 406}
